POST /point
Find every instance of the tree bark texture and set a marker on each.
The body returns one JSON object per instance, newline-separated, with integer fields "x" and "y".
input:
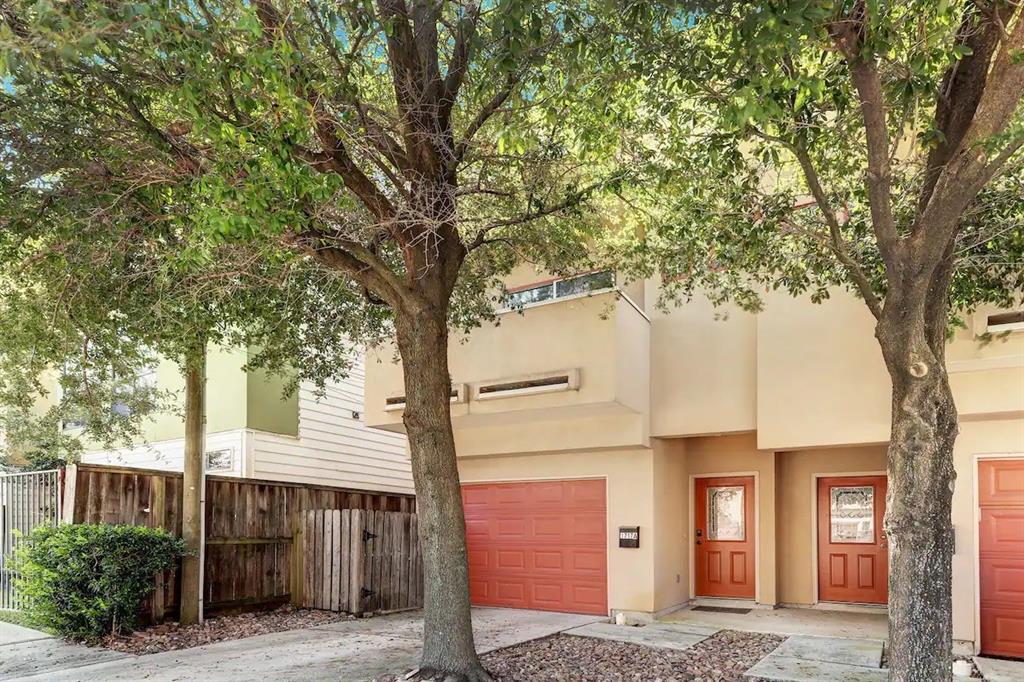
{"x": 191, "y": 500}
{"x": 448, "y": 648}
{"x": 918, "y": 521}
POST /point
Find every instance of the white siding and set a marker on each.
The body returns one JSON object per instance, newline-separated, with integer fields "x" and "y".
{"x": 169, "y": 455}
{"x": 333, "y": 448}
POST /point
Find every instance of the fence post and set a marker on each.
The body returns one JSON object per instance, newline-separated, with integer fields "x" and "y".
{"x": 358, "y": 549}
{"x": 67, "y": 510}
{"x": 298, "y": 563}
{"x": 158, "y": 517}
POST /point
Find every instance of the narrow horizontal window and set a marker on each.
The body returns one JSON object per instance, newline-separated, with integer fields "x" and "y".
{"x": 562, "y": 288}
{"x": 531, "y": 383}
{"x": 1005, "y": 320}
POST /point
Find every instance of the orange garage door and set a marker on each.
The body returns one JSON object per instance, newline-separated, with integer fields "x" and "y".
{"x": 1001, "y": 556}
{"x": 539, "y": 545}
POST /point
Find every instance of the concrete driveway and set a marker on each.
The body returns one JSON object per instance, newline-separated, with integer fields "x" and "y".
{"x": 350, "y": 650}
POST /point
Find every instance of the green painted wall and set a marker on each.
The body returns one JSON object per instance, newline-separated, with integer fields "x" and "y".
{"x": 268, "y": 409}
{"x": 235, "y": 399}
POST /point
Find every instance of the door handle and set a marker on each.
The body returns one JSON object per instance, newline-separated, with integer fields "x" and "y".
{"x": 698, "y": 542}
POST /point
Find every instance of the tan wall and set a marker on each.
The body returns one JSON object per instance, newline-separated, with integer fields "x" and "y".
{"x": 988, "y": 437}
{"x": 704, "y": 363}
{"x": 630, "y": 503}
{"x": 671, "y": 520}
{"x": 821, "y": 380}
{"x": 738, "y": 454}
{"x": 796, "y": 529}
{"x": 820, "y": 376}
{"x": 605, "y": 338}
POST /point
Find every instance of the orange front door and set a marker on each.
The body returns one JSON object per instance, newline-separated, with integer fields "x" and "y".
{"x": 538, "y": 545}
{"x": 853, "y": 556}
{"x": 724, "y": 537}
{"x": 1001, "y": 556}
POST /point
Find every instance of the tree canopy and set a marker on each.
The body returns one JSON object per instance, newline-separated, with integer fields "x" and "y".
{"x": 761, "y": 145}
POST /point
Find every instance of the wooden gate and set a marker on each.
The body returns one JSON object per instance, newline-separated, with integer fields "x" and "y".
{"x": 27, "y": 500}
{"x": 360, "y": 561}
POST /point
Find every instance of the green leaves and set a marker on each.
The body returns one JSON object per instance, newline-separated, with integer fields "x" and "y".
{"x": 86, "y": 581}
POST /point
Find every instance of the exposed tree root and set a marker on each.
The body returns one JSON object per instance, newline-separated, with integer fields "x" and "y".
{"x": 433, "y": 675}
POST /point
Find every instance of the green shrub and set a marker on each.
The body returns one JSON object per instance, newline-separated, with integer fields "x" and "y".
{"x": 85, "y": 581}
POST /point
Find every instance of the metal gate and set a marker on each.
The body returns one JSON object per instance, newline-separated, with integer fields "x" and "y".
{"x": 26, "y": 501}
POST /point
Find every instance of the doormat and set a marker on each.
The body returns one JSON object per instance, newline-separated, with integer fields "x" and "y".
{"x": 720, "y": 609}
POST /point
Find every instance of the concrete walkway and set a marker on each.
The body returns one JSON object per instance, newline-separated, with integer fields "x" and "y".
{"x": 1000, "y": 670}
{"x": 26, "y": 652}
{"x": 803, "y": 658}
{"x": 350, "y": 650}
{"x": 785, "y": 621}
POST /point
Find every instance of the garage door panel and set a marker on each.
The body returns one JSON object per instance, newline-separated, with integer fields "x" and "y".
{"x": 1002, "y": 582}
{"x": 524, "y": 561}
{"x": 538, "y": 545}
{"x": 1001, "y": 556}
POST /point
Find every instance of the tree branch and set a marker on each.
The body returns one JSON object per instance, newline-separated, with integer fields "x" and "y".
{"x": 488, "y": 110}
{"x": 458, "y": 65}
{"x": 847, "y": 34}
{"x": 836, "y": 241}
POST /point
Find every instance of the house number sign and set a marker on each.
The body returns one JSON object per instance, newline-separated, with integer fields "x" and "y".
{"x": 629, "y": 536}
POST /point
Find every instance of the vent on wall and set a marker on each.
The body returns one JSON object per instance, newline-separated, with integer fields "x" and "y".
{"x": 1005, "y": 321}
{"x": 397, "y": 402}
{"x": 564, "y": 380}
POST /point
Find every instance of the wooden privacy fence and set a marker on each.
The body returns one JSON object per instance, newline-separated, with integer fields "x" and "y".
{"x": 250, "y": 557}
{"x": 361, "y": 561}
{"x": 27, "y": 500}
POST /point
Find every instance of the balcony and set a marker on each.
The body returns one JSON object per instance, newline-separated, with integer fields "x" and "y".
{"x": 564, "y": 374}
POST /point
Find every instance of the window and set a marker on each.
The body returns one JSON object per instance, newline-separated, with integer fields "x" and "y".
{"x": 145, "y": 380}
{"x": 563, "y": 288}
{"x": 852, "y": 514}
{"x": 1005, "y": 322}
{"x": 725, "y": 513}
{"x": 220, "y": 460}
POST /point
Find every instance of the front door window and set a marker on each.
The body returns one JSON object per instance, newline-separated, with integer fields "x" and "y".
{"x": 852, "y": 514}
{"x": 725, "y": 513}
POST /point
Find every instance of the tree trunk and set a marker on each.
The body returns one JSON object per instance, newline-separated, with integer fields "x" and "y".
{"x": 918, "y": 521}
{"x": 192, "y": 488}
{"x": 448, "y": 649}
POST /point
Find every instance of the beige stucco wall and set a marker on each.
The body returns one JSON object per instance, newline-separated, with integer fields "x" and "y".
{"x": 704, "y": 363}
{"x": 736, "y": 455}
{"x": 983, "y": 437}
{"x": 820, "y": 376}
{"x": 796, "y": 533}
{"x": 671, "y": 520}
{"x": 629, "y": 474}
{"x": 821, "y": 380}
{"x": 606, "y": 338}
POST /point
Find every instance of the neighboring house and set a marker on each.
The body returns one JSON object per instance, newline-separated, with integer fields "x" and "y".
{"x": 253, "y": 431}
{"x": 620, "y": 458}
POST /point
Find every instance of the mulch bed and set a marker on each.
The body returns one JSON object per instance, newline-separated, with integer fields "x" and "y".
{"x": 724, "y": 656}
{"x": 171, "y": 636}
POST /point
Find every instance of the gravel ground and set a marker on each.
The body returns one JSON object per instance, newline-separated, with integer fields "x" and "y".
{"x": 171, "y": 636}
{"x": 565, "y": 658}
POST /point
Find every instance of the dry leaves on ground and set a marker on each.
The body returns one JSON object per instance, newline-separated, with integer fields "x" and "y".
{"x": 171, "y": 636}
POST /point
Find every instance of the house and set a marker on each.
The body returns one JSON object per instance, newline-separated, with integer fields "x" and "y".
{"x": 253, "y": 430}
{"x": 619, "y": 458}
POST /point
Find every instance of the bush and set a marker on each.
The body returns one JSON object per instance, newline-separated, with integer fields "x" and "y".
{"x": 85, "y": 581}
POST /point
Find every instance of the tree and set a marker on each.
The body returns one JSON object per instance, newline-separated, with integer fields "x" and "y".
{"x": 871, "y": 145}
{"x": 417, "y": 149}
{"x": 101, "y": 275}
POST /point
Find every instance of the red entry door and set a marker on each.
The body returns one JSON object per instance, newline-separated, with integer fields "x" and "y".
{"x": 1001, "y": 556}
{"x": 725, "y": 537}
{"x": 853, "y": 556}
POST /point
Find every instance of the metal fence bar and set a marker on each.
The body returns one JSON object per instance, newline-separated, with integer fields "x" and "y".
{"x": 27, "y": 500}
